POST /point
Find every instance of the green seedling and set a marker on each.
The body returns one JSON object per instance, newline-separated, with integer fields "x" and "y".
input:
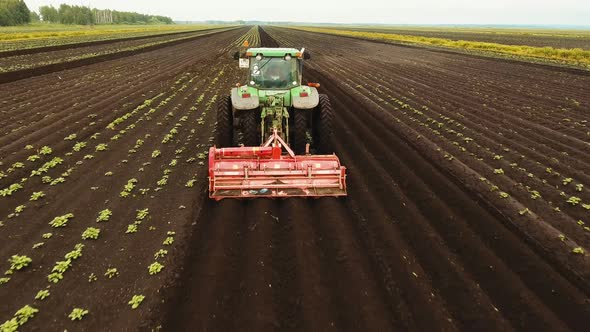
{"x": 45, "y": 151}
{"x": 161, "y": 253}
{"x": 111, "y": 273}
{"x": 155, "y": 267}
{"x": 42, "y": 295}
{"x": 132, "y": 228}
{"x": 573, "y": 200}
{"x": 104, "y": 215}
{"x": 136, "y": 301}
{"x": 77, "y": 314}
{"x": 142, "y": 214}
{"x": 36, "y": 195}
{"x": 18, "y": 262}
{"x": 90, "y": 233}
{"x": 61, "y": 221}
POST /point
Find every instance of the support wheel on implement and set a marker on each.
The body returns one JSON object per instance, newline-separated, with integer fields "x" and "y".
{"x": 225, "y": 123}
{"x": 323, "y": 132}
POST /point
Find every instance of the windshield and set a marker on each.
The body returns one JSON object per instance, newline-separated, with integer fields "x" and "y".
{"x": 269, "y": 73}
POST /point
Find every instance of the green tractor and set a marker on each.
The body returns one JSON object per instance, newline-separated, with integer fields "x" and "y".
{"x": 275, "y": 100}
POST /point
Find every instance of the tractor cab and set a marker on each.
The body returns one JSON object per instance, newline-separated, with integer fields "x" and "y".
{"x": 274, "y": 68}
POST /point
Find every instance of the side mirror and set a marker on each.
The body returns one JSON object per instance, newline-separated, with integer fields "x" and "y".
{"x": 306, "y": 55}
{"x": 237, "y": 55}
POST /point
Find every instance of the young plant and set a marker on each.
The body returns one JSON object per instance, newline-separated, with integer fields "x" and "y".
{"x": 57, "y": 180}
{"x": 62, "y": 266}
{"x": 38, "y": 245}
{"x": 42, "y": 295}
{"x": 61, "y": 221}
{"x": 25, "y": 313}
{"x": 18, "y": 262}
{"x": 36, "y": 195}
{"x": 45, "y": 151}
{"x": 578, "y": 250}
{"x": 160, "y": 253}
{"x": 111, "y": 272}
{"x": 79, "y": 146}
{"x": 101, "y": 147}
{"x": 524, "y": 211}
{"x": 132, "y": 228}
{"x": 573, "y": 200}
{"x": 76, "y": 253}
{"x": 163, "y": 181}
{"x": 90, "y": 233}
{"x": 128, "y": 187}
{"x": 142, "y": 214}
{"x": 77, "y": 314}
{"x": 55, "y": 277}
{"x": 104, "y": 215}
{"x": 136, "y": 301}
{"x": 535, "y": 194}
{"x": 155, "y": 267}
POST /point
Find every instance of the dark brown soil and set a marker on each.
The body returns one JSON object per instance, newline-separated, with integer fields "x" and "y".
{"x": 421, "y": 243}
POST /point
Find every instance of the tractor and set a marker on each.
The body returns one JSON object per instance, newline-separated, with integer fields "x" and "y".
{"x": 271, "y": 112}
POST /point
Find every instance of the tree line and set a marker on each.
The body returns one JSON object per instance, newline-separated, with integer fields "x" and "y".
{"x": 16, "y": 12}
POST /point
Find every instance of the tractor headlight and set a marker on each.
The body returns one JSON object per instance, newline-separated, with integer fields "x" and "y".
{"x": 259, "y": 57}
{"x": 288, "y": 57}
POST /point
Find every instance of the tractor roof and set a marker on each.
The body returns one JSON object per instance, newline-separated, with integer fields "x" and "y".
{"x": 273, "y": 51}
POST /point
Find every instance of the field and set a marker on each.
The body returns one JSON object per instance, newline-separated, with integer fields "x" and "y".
{"x": 25, "y": 39}
{"x": 467, "y": 210}
{"x": 495, "y": 43}
{"x": 511, "y": 36}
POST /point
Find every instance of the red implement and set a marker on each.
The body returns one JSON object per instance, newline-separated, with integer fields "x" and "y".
{"x": 245, "y": 172}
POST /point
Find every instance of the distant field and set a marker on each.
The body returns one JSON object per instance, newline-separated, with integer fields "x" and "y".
{"x": 503, "y": 47}
{"x": 508, "y": 36}
{"x": 44, "y": 35}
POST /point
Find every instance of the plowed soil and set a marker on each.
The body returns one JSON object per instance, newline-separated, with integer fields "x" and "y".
{"x": 424, "y": 241}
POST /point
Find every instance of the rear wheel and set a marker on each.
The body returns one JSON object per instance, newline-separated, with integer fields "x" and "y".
{"x": 300, "y": 127}
{"x": 323, "y": 125}
{"x": 250, "y": 127}
{"x": 224, "y": 127}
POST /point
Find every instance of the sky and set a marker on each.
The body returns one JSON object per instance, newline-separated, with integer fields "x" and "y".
{"x": 521, "y": 12}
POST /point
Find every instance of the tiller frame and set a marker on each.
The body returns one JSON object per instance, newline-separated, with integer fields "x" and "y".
{"x": 248, "y": 172}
